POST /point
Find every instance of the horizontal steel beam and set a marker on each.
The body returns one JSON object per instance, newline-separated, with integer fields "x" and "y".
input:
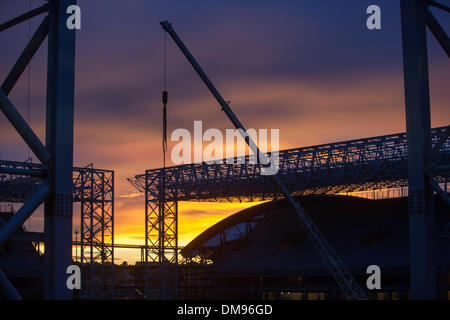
{"x": 23, "y": 172}
{"x": 24, "y": 17}
{"x": 118, "y": 245}
{"x": 30, "y": 236}
{"x": 19, "y": 180}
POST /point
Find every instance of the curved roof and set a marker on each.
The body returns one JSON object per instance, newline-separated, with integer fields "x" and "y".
{"x": 250, "y": 217}
{"x": 268, "y": 239}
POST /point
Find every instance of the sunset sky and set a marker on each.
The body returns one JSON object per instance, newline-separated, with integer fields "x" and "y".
{"x": 308, "y": 68}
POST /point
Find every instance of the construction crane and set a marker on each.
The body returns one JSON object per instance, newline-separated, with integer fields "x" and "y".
{"x": 339, "y": 271}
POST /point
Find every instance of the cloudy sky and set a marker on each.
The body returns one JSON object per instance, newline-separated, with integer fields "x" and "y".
{"x": 309, "y": 68}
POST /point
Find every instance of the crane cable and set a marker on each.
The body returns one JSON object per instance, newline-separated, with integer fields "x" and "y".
{"x": 164, "y": 101}
{"x": 29, "y": 158}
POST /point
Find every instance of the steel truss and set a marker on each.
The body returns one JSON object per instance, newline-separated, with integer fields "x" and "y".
{"x": 94, "y": 190}
{"x": 161, "y": 244}
{"x": 349, "y": 166}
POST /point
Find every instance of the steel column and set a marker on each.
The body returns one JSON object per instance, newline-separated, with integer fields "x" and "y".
{"x": 59, "y": 141}
{"x": 418, "y": 125}
{"x": 161, "y": 232}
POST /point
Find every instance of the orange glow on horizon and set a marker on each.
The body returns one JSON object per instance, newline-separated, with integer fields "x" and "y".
{"x": 193, "y": 219}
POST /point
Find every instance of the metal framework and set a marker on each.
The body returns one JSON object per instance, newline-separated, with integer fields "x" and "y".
{"x": 94, "y": 190}
{"x": 161, "y": 232}
{"x": 348, "y": 166}
{"x": 56, "y": 155}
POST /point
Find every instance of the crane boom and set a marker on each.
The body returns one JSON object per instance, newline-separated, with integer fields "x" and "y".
{"x": 341, "y": 274}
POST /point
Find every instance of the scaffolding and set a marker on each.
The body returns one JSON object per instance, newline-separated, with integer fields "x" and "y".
{"x": 94, "y": 190}
{"x": 161, "y": 243}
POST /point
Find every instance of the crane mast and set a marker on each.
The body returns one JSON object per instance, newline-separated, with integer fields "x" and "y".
{"x": 336, "y": 266}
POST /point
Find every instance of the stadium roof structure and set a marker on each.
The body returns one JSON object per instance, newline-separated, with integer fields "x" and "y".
{"x": 346, "y": 166}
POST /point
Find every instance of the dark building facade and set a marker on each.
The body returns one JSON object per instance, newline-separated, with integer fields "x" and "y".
{"x": 263, "y": 253}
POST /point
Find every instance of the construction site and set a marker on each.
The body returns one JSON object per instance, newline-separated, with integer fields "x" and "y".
{"x": 331, "y": 210}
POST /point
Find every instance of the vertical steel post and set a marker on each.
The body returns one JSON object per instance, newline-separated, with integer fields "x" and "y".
{"x": 82, "y": 230}
{"x": 146, "y": 266}
{"x": 91, "y": 234}
{"x": 103, "y": 254}
{"x": 417, "y": 103}
{"x": 162, "y": 236}
{"x": 176, "y": 294}
{"x": 112, "y": 237}
{"x": 59, "y": 142}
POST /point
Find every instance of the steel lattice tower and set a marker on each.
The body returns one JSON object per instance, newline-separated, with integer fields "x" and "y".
{"x": 95, "y": 192}
{"x": 161, "y": 232}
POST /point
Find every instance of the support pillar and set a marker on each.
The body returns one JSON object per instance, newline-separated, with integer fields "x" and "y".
{"x": 420, "y": 196}
{"x": 161, "y": 230}
{"x": 59, "y": 142}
